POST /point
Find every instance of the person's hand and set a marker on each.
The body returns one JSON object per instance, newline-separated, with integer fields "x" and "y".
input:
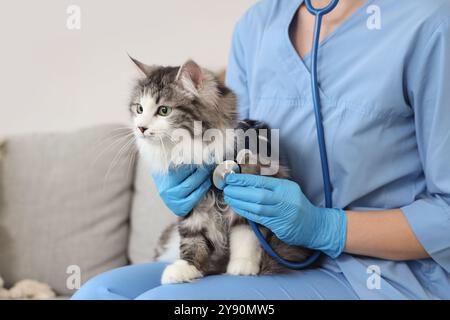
{"x": 183, "y": 187}
{"x": 281, "y": 206}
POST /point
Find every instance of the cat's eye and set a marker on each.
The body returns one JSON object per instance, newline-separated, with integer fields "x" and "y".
{"x": 139, "y": 108}
{"x": 164, "y": 111}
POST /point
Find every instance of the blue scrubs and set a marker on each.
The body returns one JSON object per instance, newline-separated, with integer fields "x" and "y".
{"x": 386, "y": 109}
{"x": 142, "y": 282}
{"x": 386, "y": 113}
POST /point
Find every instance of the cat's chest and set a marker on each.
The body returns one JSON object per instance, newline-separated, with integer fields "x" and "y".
{"x": 212, "y": 211}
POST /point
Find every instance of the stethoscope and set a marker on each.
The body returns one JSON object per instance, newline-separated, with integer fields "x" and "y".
{"x": 231, "y": 166}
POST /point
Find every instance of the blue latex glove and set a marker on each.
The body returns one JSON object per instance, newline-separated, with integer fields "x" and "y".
{"x": 281, "y": 206}
{"x": 183, "y": 187}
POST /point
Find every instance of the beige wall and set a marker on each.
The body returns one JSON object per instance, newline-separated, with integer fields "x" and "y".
{"x": 53, "y": 78}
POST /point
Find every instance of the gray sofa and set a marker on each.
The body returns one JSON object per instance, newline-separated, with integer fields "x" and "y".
{"x": 74, "y": 202}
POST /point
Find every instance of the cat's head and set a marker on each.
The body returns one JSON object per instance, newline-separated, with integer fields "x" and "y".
{"x": 168, "y": 101}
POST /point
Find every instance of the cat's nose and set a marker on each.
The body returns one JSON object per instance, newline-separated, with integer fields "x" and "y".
{"x": 142, "y": 129}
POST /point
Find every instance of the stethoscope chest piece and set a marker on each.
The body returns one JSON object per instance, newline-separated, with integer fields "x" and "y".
{"x": 222, "y": 169}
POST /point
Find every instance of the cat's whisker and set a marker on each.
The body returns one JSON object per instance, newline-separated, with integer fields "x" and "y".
{"x": 120, "y": 146}
{"x": 122, "y": 135}
{"x": 112, "y": 166}
{"x": 130, "y": 128}
{"x": 103, "y": 140}
{"x": 164, "y": 148}
{"x": 117, "y": 157}
{"x": 125, "y": 149}
{"x": 132, "y": 159}
{"x": 116, "y": 141}
{"x": 114, "y": 134}
{"x": 169, "y": 137}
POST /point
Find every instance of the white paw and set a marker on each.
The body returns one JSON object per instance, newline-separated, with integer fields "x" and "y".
{"x": 180, "y": 271}
{"x": 243, "y": 267}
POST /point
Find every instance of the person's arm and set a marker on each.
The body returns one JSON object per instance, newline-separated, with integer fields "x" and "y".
{"x": 281, "y": 206}
{"x": 428, "y": 90}
{"x": 418, "y": 230}
{"x": 382, "y": 234}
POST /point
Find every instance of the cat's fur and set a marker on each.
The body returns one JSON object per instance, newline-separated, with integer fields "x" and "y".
{"x": 213, "y": 239}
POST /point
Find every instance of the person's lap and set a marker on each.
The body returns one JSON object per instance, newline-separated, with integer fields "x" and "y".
{"x": 142, "y": 281}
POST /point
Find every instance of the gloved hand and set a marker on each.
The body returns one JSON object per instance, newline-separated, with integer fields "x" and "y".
{"x": 183, "y": 187}
{"x": 281, "y": 206}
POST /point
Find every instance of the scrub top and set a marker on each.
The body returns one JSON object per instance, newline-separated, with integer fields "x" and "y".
{"x": 384, "y": 77}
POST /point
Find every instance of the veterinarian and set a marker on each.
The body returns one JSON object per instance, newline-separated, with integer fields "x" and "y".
{"x": 385, "y": 89}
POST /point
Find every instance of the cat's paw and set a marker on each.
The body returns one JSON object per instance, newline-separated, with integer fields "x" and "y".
{"x": 180, "y": 271}
{"x": 243, "y": 267}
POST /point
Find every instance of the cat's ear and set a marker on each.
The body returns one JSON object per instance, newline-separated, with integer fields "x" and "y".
{"x": 145, "y": 69}
{"x": 190, "y": 77}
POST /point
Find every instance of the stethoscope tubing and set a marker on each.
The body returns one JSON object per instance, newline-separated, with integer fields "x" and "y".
{"x": 321, "y": 11}
{"x": 318, "y": 13}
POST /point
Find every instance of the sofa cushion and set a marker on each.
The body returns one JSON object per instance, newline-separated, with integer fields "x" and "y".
{"x": 64, "y": 201}
{"x": 149, "y": 216}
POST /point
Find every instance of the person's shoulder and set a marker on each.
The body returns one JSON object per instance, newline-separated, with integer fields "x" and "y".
{"x": 432, "y": 8}
{"x": 420, "y": 19}
{"x": 436, "y": 17}
{"x": 261, "y": 13}
{"x": 430, "y": 12}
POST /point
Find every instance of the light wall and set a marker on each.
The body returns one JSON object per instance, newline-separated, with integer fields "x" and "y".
{"x": 53, "y": 78}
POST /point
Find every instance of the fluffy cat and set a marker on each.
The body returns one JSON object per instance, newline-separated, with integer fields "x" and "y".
{"x": 212, "y": 238}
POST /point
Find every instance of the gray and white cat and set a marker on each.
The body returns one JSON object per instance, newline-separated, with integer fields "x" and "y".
{"x": 212, "y": 238}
